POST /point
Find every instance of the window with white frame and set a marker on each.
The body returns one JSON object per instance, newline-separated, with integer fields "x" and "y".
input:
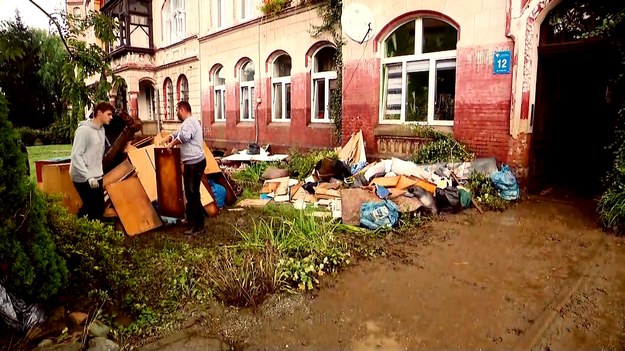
{"x": 419, "y": 73}
{"x": 247, "y": 9}
{"x": 247, "y": 74}
{"x": 77, "y": 12}
{"x": 169, "y": 100}
{"x": 281, "y": 89}
{"x": 323, "y": 83}
{"x": 220, "y": 96}
{"x": 220, "y": 13}
{"x": 174, "y": 29}
{"x": 183, "y": 88}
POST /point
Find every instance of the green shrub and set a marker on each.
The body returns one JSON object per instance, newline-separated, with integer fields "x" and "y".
{"x": 93, "y": 251}
{"x": 485, "y": 194}
{"x": 442, "y": 148}
{"x": 611, "y": 209}
{"x": 29, "y": 264}
{"x": 28, "y": 135}
{"x": 302, "y": 164}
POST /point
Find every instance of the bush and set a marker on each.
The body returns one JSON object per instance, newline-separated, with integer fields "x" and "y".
{"x": 302, "y": 164}
{"x": 485, "y": 194}
{"x": 93, "y": 251}
{"x": 442, "y": 148}
{"x": 28, "y": 135}
{"x": 56, "y": 134}
{"x": 29, "y": 264}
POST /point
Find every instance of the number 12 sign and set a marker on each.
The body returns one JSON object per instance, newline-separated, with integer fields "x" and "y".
{"x": 502, "y": 62}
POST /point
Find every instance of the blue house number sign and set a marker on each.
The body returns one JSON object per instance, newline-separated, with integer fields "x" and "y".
{"x": 502, "y": 62}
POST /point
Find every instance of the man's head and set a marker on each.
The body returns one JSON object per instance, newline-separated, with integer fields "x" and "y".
{"x": 103, "y": 113}
{"x": 183, "y": 110}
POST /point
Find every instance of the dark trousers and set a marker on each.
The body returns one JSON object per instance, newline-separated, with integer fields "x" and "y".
{"x": 92, "y": 200}
{"x": 192, "y": 180}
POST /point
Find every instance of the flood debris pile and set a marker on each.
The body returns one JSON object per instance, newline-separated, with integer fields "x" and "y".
{"x": 374, "y": 195}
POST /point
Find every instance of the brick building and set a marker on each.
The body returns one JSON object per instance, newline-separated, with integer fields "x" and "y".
{"x": 254, "y": 77}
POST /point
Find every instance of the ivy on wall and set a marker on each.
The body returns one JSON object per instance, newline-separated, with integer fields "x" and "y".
{"x": 330, "y": 11}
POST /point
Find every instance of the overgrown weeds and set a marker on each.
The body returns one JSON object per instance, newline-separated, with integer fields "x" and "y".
{"x": 302, "y": 164}
{"x": 442, "y": 148}
{"x": 485, "y": 194}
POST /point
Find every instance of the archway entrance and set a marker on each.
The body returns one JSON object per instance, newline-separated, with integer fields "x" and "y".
{"x": 573, "y": 118}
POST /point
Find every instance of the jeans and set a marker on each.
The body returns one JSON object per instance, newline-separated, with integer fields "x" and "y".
{"x": 192, "y": 180}
{"x": 92, "y": 200}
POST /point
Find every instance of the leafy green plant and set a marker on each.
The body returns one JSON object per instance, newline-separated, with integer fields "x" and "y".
{"x": 301, "y": 164}
{"x": 442, "y": 148}
{"x": 484, "y": 192}
{"x": 611, "y": 209}
{"x": 272, "y": 7}
{"x": 29, "y": 263}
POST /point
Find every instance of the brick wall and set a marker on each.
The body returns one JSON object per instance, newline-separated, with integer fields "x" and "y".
{"x": 482, "y": 117}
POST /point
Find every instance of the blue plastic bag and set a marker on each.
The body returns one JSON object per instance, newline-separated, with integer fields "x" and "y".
{"x": 219, "y": 192}
{"x": 505, "y": 182}
{"x": 376, "y": 215}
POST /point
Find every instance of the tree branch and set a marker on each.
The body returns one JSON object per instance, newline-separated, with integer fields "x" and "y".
{"x": 58, "y": 26}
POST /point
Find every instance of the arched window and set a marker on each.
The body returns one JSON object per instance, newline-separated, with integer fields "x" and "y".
{"x": 219, "y": 84}
{"x": 168, "y": 89}
{"x": 247, "y": 75}
{"x": 174, "y": 21}
{"x": 183, "y": 88}
{"x": 323, "y": 83}
{"x": 77, "y": 12}
{"x": 419, "y": 73}
{"x": 147, "y": 110}
{"x": 281, "y": 89}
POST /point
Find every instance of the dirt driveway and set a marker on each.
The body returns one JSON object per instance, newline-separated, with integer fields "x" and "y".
{"x": 539, "y": 276}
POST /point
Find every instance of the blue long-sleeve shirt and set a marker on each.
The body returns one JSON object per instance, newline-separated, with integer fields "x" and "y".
{"x": 192, "y": 141}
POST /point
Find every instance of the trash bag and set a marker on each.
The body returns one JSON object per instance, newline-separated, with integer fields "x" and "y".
{"x": 465, "y": 198}
{"x": 505, "y": 182}
{"x": 219, "y": 192}
{"x": 376, "y": 215}
{"x": 449, "y": 198}
{"x": 16, "y": 313}
{"x": 425, "y": 197}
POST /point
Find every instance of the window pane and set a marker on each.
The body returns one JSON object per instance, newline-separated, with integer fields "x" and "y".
{"x": 218, "y": 105}
{"x": 438, "y": 36}
{"x": 277, "y": 101}
{"x": 243, "y": 12}
{"x": 324, "y": 60}
{"x": 445, "y": 90}
{"x": 417, "y": 96}
{"x": 282, "y": 66}
{"x": 393, "y": 89}
{"x": 288, "y": 100}
{"x": 402, "y": 41}
{"x": 245, "y": 103}
{"x": 320, "y": 98}
{"x": 219, "y": 13}
{"x": 247, "y": 72}
{"x": 218, "y": 79}
{"x": 332, "y": 92}
{"x": 170, "y": 100}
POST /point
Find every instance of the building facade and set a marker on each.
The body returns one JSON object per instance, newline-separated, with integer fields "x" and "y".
{"x": 469, "y": 67}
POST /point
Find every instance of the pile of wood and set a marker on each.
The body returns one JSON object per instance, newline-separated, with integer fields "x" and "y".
{"x": 141, "y": 190}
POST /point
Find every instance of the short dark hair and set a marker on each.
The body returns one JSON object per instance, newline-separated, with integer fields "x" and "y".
{"x": 185, "y": 105}
{"x": 103, "y": 107}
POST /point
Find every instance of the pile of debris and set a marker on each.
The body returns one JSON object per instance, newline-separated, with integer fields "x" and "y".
{"x": 374, "y": 195}
{"x": 145, "y": 188}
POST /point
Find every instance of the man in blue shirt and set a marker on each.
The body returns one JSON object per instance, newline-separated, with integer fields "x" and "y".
{"x": 189, "y": 137}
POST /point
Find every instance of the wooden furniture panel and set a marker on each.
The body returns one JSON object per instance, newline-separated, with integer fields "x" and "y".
{"x": 56, "y": 180}
{"x": 133, "y": 206}
{"x": 170, "y": 192}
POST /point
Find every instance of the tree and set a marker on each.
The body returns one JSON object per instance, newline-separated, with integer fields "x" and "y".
{"x": 24, "y": 53}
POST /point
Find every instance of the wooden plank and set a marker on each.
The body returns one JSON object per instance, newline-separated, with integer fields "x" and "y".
{"x": 211, "y": 164}
{"x": 144, "y": 166}
{"x": 119, "y": 173}
{"x": 351, "y": 200}
{"x": 208, "y": 199}
{"x": 133, "y": 206}
{"x": 56, "y": 180}
{"x": 387, "y": 182}
{"x": 253, "y": 203}
{"x": 283, "y": 185}
{"x": 170, "y": 193}
{"x": 405, "y": 183}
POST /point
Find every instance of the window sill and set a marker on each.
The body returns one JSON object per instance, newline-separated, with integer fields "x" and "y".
{"x": 280, "y": 121}
{"x": 246, "y": 123}
{"x": 404, "y": 130}
{"x": 219, "y": 123}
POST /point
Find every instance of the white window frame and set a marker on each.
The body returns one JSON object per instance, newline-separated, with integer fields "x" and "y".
{"x": 221, "y": 20}
{"x": 250, "y": 87}
{"x": 327, "y": 77}
{"x": 432, "y": 58}
{"x": 247, "y": 9}
{"x": 175, "y": 22}
{"x": 283, "y": 82}
{"x": 222, "y": 89}
{"x": 183, "y": 82}
{"x": 170, "y": 100}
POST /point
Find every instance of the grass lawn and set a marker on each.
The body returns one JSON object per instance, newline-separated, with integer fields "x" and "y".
{"x": 45, "y": 152}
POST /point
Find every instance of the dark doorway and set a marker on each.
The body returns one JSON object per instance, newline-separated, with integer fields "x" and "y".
{"x": 573, "y": 119}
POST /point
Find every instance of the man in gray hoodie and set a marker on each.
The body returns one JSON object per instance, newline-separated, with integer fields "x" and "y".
{"x": 86, "y": 164}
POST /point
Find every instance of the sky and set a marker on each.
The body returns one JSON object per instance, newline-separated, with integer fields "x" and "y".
{"x": 31, "y": 15}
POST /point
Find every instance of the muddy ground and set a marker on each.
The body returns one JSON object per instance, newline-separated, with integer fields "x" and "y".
{"x": 542, "y": 275}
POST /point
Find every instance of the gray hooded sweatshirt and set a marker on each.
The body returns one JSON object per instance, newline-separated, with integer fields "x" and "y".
{"x": 87, "y": 152}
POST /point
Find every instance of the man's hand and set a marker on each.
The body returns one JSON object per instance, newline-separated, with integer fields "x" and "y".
{"x": 93, "y": 183}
